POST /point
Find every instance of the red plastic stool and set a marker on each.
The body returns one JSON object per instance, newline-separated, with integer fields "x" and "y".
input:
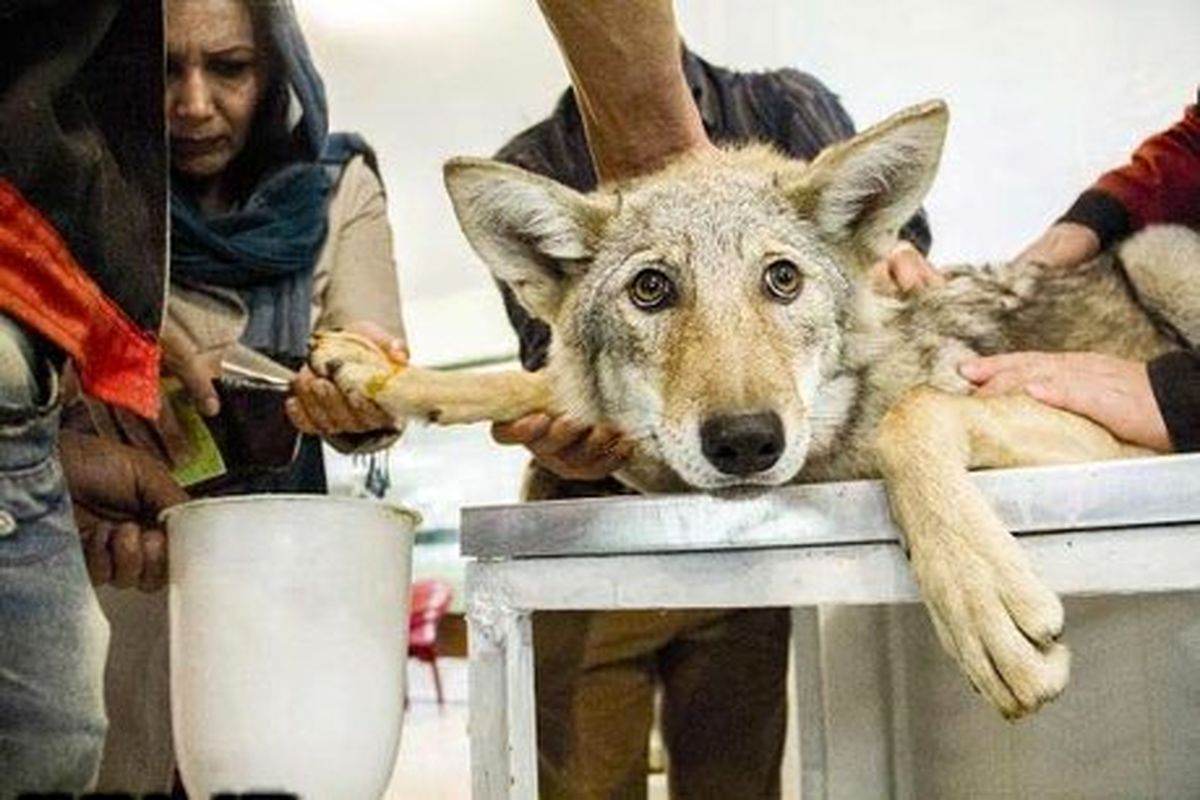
{"x": 428, "y": 602}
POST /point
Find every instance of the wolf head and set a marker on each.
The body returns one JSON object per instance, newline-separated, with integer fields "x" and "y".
{"x": 702, "y": 308}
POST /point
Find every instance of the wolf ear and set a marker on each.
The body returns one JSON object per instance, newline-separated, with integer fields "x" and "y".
{"x": 868, "y": 187}
{"x": 533, "y": 233}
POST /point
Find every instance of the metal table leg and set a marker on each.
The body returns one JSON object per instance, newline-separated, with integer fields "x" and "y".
{"x": 502, "y": 722}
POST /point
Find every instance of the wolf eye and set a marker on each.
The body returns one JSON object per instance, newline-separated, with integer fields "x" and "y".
{"x": 783, "y": 280}
{"x": 651, "y": 290}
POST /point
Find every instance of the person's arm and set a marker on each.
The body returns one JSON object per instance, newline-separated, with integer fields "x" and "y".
{"x": 638, "y": 113}
{"x": 118, "y": 493}
{"x": 1155, "y": 404}
{"x": 624, "y": 61}
{"x": 1175, "y": 381}
{"x": 1160, "y": 184}
{"x": 356, "y": 289}
{"x": 355, "y": 278}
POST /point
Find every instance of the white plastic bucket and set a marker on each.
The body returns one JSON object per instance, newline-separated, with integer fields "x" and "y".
{"x": 289, "y": 640}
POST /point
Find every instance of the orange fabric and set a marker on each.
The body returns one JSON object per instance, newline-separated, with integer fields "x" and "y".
{"x": 43, "y": 286}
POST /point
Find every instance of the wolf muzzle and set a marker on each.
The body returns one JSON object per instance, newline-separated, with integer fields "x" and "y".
{"x": 742, "y": 444}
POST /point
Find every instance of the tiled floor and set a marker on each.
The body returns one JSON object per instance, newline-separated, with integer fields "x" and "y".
{"x": 434, "y": 761}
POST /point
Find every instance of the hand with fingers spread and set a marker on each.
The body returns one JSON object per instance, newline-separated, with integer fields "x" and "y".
{"x": 319, "y": 407}
{"x": 1112, "y": 392}
{"x": 567, "y": 448}
{"x": 118, "y": 492}
{"x": 905, "y": 270}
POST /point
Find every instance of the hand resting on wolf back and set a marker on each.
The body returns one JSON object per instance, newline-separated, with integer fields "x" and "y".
{"x": 719, "y": 312}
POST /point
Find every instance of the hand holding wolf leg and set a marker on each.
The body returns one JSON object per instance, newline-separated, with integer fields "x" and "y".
{"x": 318, "y": 406}
{"x": 358, "y": 365}
{"x": 568, "y": 449}
{"x": 1113, "y": 392}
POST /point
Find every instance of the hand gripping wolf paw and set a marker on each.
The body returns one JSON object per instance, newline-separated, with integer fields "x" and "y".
{"x": 357, "y": 364}
{"x": 998, "y": 620}
{"x": 353, "y": 362}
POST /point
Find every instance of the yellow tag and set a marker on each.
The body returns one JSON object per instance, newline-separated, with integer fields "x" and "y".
{"x": 377, "y": 382}
{"x": 204, "y": 460}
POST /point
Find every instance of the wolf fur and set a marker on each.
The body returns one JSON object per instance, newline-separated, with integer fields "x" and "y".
{"x": 730, "y": 382}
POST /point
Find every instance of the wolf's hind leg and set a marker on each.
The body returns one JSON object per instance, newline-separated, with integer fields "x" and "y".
{"x": 991, "y": 611}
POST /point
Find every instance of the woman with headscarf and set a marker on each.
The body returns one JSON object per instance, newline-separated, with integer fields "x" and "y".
{"x": 278, "y": 228}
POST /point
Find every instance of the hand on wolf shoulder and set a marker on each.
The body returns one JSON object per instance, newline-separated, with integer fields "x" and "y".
{"x": 318, "y": 406}
{"x": 903, "y": 271}
{"x": 1064, "y": 245}
{"x": 118, "y": 492}
{"x": 568, "y": 449}
{"x": 1112, "y": 392}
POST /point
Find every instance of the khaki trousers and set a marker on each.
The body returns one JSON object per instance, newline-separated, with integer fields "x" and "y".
{"x": 722, "y": 675}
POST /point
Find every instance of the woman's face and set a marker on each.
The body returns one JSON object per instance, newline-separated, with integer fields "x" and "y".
{"x": 215, "y": 78}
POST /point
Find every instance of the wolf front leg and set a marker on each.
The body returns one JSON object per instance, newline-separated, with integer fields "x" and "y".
{"x": 992, "y": 613}
{"x": 358, "y": 365}
{"x": 454, "y": 398}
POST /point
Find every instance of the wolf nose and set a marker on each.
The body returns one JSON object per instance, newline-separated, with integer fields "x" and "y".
{"x": 742, "y": 444}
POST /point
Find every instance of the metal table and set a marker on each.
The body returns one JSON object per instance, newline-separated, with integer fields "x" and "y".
{"x": 1101, "y": 528}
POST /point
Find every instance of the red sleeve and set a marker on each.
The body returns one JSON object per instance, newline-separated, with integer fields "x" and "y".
{"x": 1161, "y": 183}
{"x": 43, "y": 286}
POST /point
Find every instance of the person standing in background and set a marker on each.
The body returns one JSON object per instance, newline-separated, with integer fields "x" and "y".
{"x": 721, "y": 672}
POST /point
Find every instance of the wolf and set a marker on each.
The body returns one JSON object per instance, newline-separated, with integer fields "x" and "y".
{"x": 718, "y": 312}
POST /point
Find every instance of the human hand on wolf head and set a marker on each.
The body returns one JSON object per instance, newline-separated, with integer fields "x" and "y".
{"x": 904, "y": 270}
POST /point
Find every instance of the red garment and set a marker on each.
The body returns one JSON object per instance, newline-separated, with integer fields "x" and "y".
{"x": 1160, "y": 184}
{"x": 43, "y": 286}
{"x": 1162, "y": 181}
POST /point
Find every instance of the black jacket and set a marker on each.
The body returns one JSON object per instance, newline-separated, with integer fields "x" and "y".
{"x": 82, "y": 136}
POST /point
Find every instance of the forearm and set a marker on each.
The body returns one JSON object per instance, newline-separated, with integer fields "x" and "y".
{"x": 1160, "y": 184}
{"x": 624, "y": 61}
{"x": 1175, "y": 379}
{"x": 356, "y": 275}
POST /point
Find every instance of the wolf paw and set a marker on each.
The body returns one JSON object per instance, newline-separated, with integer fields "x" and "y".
{"x": 997, "y": 619}
{"x": 353, "y": 362}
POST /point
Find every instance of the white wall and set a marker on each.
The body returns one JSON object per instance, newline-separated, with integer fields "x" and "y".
{"x": 1044, "y": 95}
{"x": 425, "y": 80}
